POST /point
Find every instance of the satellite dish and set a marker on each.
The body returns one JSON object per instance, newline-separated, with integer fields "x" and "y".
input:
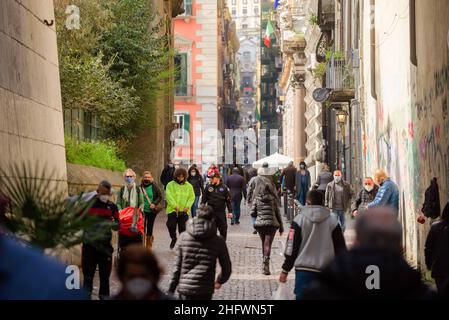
{"x": 321, "y": 94}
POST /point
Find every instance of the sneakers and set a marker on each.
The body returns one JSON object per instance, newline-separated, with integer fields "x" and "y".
{"x": 238, "y": 222}
{"x": 232, "y": 223}
{"x": 173, "y": 243}
{"x": 134, "y": 229}
{"x": 255, "y": 232}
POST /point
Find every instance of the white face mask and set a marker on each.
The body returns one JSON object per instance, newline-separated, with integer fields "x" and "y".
{"x": 139, "y": 287}
{"x": 104, "y": 198}
{"x": 193, "y": 173}
{"x": 369, "y": 188}
{"x": 337, "y": 179}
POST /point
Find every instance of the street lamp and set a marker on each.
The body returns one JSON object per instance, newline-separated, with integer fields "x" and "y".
{"x": 342, "y": 117}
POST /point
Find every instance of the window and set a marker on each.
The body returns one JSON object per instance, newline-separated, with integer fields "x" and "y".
{"x": 245, "y": 1}
{"x": 256, "y": 1}
{"x": 81, "y": 125}
{"x": 245, "y": 11}
{"x": 188, "y": 7}
{"x": 256, "y": 11}
{"x": 181, "y": 75}
{"x": 244, "y": 26}
{"x": 233, "y": 2}
{"x": 183, "y": 122}
{"x": 234, "y": 11}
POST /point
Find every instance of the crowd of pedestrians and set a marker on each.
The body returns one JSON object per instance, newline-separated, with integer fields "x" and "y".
{"x": 198, "y": 207}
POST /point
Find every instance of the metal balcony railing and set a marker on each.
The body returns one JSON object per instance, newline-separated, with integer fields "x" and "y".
{"x": 339, "y": 75}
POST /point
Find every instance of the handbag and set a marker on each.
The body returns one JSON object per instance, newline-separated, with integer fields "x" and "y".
{"x": 158, "y": 207}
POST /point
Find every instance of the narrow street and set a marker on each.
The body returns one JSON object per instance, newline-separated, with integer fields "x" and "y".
{"x": 247, "y": 281}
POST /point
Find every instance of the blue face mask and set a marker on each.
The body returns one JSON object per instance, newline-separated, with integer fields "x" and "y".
{"x": 129, "y": 180}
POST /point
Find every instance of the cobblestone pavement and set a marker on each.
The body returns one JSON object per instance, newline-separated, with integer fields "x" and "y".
{"x": 247, "y": 281}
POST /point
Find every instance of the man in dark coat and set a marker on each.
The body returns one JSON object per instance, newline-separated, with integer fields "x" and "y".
{"x": 365, "y": 196}
{"x": 217, "y": 195}
{"x": 196, "y": 259}
{"x": 375, "y": 268}
{"x": 437, "y": 251}
{"x": 237, "y": 186}
{"x": 167, "y": 174}
{"x": 288, "y": 176}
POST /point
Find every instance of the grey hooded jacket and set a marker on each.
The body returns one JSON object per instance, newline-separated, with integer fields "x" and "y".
{"x": 196, "y": 259}
{"x": 315, "y": 238}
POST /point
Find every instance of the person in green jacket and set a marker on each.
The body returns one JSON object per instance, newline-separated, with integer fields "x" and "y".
{"x": 130, "y": 195}
{"x": 152, "y": 198}
{"x": 180, "y": 196}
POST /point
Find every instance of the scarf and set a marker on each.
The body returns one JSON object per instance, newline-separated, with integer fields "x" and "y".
{"x": 132, "y": 197}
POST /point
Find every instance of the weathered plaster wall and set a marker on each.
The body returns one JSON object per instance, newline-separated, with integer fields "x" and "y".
{"x": 407, "y": 126}
{"x": 430, "y": 110}
{"x": 31, "y": 123}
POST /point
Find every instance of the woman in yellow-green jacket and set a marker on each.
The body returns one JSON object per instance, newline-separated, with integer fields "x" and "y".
{"x": 180, "y": 196}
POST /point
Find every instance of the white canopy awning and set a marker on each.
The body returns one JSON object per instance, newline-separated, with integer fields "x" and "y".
{"x": 276, "y": 160}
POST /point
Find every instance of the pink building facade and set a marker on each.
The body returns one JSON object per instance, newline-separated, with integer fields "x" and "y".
{"x": 202, "y": 46}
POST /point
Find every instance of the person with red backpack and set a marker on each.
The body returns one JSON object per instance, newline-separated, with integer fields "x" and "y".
{"x": 131, "y": 195}
{"x": 99, "y": 252}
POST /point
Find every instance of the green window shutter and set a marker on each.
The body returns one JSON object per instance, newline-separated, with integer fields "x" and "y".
{"x": 187, "y": 122}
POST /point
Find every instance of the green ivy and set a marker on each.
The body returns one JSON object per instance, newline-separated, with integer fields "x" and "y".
{"x": 320, "y": 70}
{"x": 338, "y": 55}
{"x": 97, "y": 154}
{"x": 313, "y": 19}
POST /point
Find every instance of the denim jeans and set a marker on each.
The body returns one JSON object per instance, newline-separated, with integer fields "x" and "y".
{"x": 194, "y": 206}
{"x": 340, "y": 216}
{"x": 303, "y": 279}
{"x": 236, "y": 210}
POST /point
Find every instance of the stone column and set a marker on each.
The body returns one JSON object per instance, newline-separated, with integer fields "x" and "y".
{"x": 31, "y": 119}
{"x": 300, "y": 124}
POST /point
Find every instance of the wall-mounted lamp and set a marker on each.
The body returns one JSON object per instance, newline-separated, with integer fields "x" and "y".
{"x": 342, "y": 117}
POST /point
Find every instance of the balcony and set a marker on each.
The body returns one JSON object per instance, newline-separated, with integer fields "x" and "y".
{"x": 340, "y": 78}
{"x": 183, "y": 91}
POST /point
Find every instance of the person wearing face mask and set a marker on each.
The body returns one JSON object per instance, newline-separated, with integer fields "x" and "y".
{"x": 139, "y": 273}
{"x": 338, "y": 198}
{"x": 365, "y": 196}
{"x": 167, "y": 174}
{"x": 303, "y": 183}
{"x": 152, "y": 198}
{"x": 180, "y": 197}
{"x": 218, "y": 196}
{"x": 196, "y": 181}
{"x": 99, "y": 252}
{"x": 388, "y": 195}
{"x": 130, "y": 195}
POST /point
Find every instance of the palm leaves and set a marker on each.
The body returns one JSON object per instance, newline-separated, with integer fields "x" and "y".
{"x": 40, "y": 212}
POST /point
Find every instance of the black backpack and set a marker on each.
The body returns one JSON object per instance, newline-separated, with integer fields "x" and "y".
{"x": 431, "y": 207}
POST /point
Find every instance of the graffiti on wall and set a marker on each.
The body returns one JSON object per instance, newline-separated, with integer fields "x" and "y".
{"x": 433, "y": 138}
{"x": 425, "y": 108}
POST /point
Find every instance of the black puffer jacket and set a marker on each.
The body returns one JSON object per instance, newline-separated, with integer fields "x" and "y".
{"x": 266, "y": 212}
{"x": 196, "y": 259}
{"x": 437, "y": 249}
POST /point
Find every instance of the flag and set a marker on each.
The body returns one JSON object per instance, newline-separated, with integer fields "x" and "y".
{"x": 276, "y": 4}
{"x": 268, "y": 33}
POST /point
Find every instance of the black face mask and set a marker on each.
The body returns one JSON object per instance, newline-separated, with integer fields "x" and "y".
{"x": 146, "y": 182}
